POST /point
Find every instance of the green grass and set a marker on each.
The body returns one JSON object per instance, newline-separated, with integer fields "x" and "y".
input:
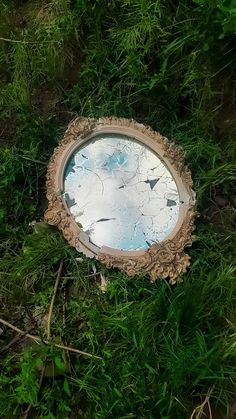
{"x": 165, "y": 349}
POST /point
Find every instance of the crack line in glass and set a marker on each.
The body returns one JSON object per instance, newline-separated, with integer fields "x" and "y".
{"x": 121, "y": 193}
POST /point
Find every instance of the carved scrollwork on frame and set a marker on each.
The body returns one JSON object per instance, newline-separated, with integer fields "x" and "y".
{"x": 165, "y": 259}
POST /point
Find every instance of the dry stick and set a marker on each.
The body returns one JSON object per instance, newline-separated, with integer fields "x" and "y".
{"x": 199, "y": 410}
{"x": 13, "y": 40}
{"x": 14, "y": 341}
{"x": 39, "y": 340}
{"x": 93, "y": 275}
{"x": 64, "y": 326}
{"x": 26, "y": 42}
{"x": 32, "y": 160}
{"x": 53, "y": 300}
{"x": 48, "y": 330}
{"x": 28, "y": 335}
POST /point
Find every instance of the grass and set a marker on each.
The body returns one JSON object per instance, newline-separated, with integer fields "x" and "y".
{"x": 166, "y": 351}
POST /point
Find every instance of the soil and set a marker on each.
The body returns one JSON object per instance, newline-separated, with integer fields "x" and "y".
{"x": 8, "y": 128}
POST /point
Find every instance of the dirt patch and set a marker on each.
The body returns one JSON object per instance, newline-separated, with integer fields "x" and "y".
{"x": 75, "y": 59}
{"x": 8, "y": 129}
{"x": 45, "y": 98}
{"x": 225, "y": 122}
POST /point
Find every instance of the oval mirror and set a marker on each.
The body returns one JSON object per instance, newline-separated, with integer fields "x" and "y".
{"x": 120, "y": 192}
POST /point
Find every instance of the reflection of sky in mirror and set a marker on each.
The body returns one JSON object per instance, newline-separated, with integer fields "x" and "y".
{"x": 121, "y": 193}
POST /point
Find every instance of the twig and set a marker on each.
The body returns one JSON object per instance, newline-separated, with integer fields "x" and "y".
{"x": 48, "y": 331}
{"x": 28, "y": 335}
{"x": 14, "y": 340}
{"x": 53, "y": 300}
{"x": 14, "y": 40}
{"x": 93, "y": 275}
{"x": 39, "y": 340}
{"x": 64, "y": 310}
{"x": 199, "y": 410}
{"x": 64, "y": 327}
{"x": 32, "y": 160}
{"x": 27, "y": 42}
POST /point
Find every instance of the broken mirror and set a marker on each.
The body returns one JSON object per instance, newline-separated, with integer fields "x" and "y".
{"x": 120, "y": 193}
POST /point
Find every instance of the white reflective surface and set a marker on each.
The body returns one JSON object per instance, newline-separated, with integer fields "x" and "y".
{"x": 121, "y": 193}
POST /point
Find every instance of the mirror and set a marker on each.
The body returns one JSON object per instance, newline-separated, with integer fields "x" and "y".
{"x": 121, "y": 193}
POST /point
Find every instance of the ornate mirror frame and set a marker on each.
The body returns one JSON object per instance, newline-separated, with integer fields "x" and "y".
{"x": 166, "y": 259}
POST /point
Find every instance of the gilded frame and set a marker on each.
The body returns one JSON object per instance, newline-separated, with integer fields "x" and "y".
{"x": 166, "y": 259}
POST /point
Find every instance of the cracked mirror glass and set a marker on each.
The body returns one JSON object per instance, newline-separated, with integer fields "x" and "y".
{"x": 120, "y": 193}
